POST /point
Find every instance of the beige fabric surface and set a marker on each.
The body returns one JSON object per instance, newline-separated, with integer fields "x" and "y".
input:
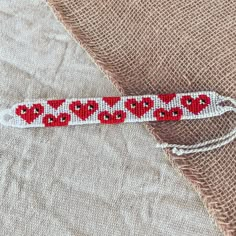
{"x": 88, "y": 180}
{"x": 170, "y": 46}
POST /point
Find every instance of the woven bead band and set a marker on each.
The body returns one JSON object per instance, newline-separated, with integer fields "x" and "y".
{"x": 114, "y": 110}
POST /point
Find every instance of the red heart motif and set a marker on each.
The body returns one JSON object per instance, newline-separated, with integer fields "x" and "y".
{"x": 111, "y": 101}
{"x": 83, "y": 111}
{"x": 56, "y": 103}
{"x": 139, "y": 108}
{"x": 29, "y": 114}
{"x": 166, "y": 98}
{"x": 107, "y": 118}
{"x": 195, "y": 105}
{"x": 61, "y": 120}
{"x": 173, "y": 114}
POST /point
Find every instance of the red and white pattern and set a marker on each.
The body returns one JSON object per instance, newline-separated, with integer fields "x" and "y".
{"x": 115, "y": 110}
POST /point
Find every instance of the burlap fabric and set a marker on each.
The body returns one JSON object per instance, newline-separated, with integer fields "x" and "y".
{"x": 164, "y": 47}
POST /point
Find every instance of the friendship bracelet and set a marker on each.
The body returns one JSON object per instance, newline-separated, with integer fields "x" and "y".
{"x": 117, "y": 110}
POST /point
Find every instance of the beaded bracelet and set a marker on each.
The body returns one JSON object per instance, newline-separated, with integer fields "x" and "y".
{"x": 116, "y": 110}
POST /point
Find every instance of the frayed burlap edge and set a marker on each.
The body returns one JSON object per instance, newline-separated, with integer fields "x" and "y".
{"x": 182, "y": 170}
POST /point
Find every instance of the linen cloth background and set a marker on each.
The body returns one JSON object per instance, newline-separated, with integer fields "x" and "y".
{"x": 84, "y": 180}
{"x": 168, "y": 46}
